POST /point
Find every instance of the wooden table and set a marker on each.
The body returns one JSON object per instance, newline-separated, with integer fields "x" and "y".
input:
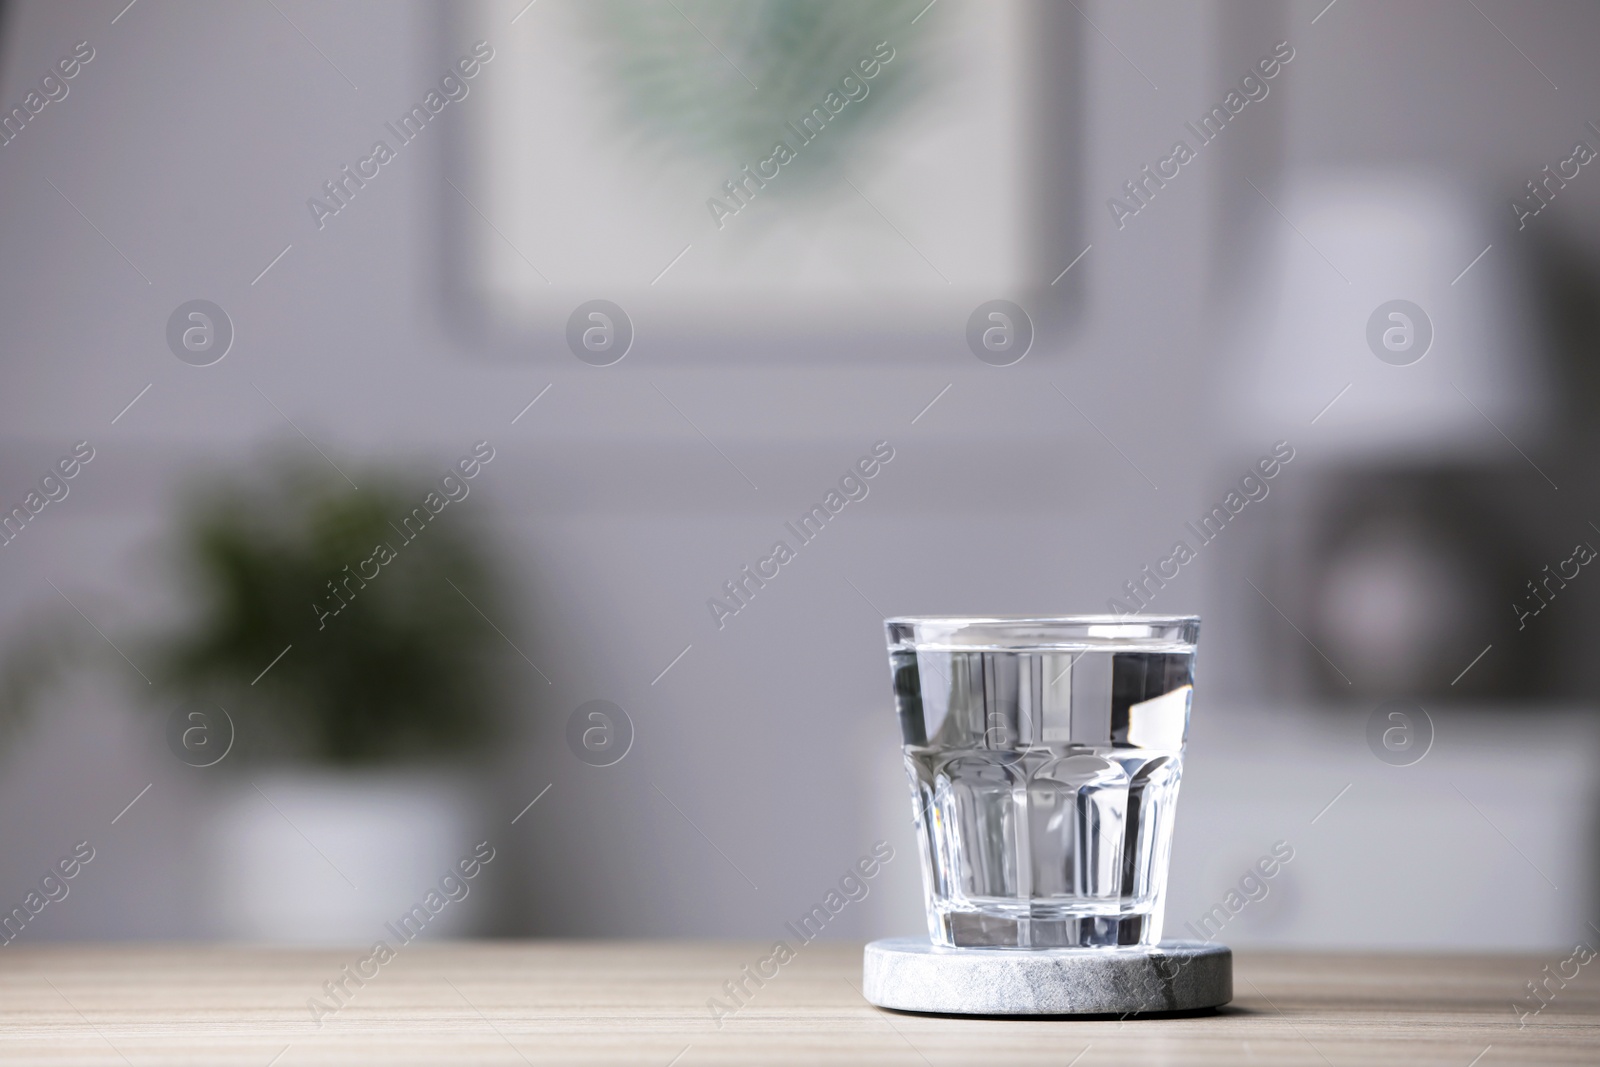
{"x": 646, "y": 1003}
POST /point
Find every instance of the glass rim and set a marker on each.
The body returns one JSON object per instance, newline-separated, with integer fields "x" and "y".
{"x": 1102, "y": 618}
{"x": 1042, "y": 632}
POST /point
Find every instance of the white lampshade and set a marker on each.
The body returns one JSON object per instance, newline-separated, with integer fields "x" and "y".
{"x": 1347, "y": 243}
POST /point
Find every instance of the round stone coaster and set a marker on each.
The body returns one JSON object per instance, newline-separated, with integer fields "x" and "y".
{"x": 913, "y": 975}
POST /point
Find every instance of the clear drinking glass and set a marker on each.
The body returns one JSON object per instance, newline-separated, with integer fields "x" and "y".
{"x": 1044, "y": 757}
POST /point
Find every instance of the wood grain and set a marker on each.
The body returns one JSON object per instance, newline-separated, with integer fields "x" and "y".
{"x": 647, "y": 1003}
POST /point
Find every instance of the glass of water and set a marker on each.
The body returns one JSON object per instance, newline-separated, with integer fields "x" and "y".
{"x": 1044, "y": 757}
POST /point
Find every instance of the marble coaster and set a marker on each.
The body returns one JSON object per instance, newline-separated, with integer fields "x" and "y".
{"x": 912, "y": 975}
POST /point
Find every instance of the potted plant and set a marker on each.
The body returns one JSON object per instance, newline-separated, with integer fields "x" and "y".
{"x": 330, "y": 673}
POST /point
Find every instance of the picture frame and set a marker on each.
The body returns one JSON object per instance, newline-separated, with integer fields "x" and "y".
{"x": 706, "y": 241}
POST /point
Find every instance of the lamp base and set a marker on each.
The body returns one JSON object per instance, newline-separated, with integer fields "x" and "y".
{"x": 909, "y": 974}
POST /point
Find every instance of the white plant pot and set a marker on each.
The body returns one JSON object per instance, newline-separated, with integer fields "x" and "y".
{"x": 322, "y": 857}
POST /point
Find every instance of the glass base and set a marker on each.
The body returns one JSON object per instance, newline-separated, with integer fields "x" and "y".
{"x": 976, "y": 929}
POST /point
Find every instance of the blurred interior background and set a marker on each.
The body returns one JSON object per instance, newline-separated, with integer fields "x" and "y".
{"x": 401, "y": 368}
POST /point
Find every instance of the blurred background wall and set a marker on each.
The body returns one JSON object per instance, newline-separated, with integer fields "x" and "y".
{"x": 1211, "y": 325}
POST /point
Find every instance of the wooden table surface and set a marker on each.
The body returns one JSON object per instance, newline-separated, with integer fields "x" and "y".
{"x": 647, "y": 1003}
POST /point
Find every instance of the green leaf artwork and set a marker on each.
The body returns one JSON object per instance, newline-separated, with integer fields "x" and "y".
{"x": 721, "y": 83}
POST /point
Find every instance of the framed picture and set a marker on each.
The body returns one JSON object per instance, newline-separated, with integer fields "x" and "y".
{"x": 762, "y": 179}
